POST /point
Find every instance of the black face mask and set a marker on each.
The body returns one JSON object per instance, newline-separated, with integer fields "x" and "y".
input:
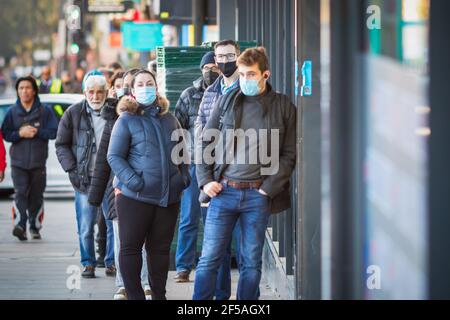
{"x": 126, "y": 91}
{"x": 227, "y": 68}
{"x": 209, "y": 77}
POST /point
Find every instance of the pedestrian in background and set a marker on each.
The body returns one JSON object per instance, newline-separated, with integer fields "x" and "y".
{"x": 29, "y": 125}
{"x": 47, "y": 84}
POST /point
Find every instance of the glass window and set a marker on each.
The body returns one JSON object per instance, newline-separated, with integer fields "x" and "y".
{"x": 403, "y": 34}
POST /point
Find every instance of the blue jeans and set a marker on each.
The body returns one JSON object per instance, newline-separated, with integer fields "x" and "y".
{"x": 187, "y": 238}
{"x": 86, "y": 218}
{"x": 188, "y": 226}
{"x": 252, "y": 210}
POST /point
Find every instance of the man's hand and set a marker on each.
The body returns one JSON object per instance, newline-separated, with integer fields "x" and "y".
{"x": 2, "y": 176}
{"x": 212, "y": 189}
{"x": 27, "y": 132}
{"x": 117, "y": 192}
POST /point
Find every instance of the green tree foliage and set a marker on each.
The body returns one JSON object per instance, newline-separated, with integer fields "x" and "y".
{"x": 27, "y": 25}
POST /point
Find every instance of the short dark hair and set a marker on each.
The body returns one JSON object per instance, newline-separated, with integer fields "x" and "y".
{"x": 30, "y": 79}
{"x": 143, "y": 71}
{"x": 253, "y": 56}
{"x": 226, "y": 43}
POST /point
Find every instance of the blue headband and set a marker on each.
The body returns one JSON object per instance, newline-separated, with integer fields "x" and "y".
{"x": 94, "y": 72}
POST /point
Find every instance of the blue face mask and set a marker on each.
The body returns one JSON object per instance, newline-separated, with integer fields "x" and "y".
{"x": 249, "y": 87}
{"x": 120, "y": 92}
{"x": 145, "y": 95}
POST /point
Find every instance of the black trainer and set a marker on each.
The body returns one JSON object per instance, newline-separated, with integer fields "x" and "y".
{"x": 35, "y": 234}
{"x": 88, "y": 272}
{"x": 20, "y": 233}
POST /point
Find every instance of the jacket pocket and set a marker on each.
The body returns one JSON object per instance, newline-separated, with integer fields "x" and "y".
{"x": 136, "y": 183}
{"x": 74, "y": 179}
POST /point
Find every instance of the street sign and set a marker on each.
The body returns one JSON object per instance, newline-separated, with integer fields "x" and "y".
{"x": 106, "y": 6}
{"x": 141, "y": 36}
{"x": 42, "y": 55}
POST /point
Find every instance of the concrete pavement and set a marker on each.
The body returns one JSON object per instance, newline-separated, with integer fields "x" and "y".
{"x": 44, "y": 269}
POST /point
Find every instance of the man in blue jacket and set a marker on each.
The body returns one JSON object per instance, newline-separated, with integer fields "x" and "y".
{"x": 226, "y": 53}
{"x": 28, "y": 125}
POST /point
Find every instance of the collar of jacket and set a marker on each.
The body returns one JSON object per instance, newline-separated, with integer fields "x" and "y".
{"x": 266, "y": 99}
{"x": 215, "y": 86}
{"x": 152, "y": 110}
{"x": 36, "y": 104}
{"x": 199, "y": 84}
{"x": 109, "y": 109}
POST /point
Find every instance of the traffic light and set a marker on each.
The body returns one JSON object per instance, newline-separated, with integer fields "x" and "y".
{"x": 77, "y": 45}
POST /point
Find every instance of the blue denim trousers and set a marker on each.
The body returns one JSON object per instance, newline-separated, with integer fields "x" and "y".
{"x": 250, "y": 209}
{"x": 86, "y": 218}
{"x": 188, "y": 226}
{"x": 187, "y": 238}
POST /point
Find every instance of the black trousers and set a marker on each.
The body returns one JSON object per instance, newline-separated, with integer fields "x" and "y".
{"x": 101, "y": 235}
{"x": 153, "y": 225}
{"x": 29, "y": 187}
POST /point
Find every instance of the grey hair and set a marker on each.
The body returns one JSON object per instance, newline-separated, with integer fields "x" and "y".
{"x": 95, "y": 80}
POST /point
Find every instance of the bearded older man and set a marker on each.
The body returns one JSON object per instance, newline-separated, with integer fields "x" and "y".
{"x": 77, "y": 141}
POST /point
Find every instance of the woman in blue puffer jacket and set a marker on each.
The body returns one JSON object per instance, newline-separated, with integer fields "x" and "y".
{"x": 148, "y": 185}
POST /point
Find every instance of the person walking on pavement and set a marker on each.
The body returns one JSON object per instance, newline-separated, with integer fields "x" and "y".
{"x": 242, "y": 189}
{"x": 186, "y": 112}
{"x": 226, "y": 53}
{"x": 79, "y": 134}
{"x": 47, "y": 84}
{"x": 102, "y": 179}
{"x": 28, "y": 125}
{"x": 148, "y": 183}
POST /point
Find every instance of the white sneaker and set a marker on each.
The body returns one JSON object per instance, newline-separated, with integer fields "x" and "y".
{"x": 120, "y": 294}
{"x": 148, "y": 292}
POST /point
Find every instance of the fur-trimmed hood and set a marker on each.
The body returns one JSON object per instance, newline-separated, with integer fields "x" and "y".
{"x": 164, "y": 104}
{"x": 127, "y": 104}
{"x": 130, "y": 105}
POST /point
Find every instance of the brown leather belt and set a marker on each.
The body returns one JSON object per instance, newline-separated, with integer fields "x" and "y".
{"x": 243, "y": 185}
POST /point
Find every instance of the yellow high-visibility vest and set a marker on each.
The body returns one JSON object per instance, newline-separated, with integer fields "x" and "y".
{"x": 56, "y": 86}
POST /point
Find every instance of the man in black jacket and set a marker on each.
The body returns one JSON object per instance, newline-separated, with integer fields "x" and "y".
{"x": 28, "y": 125}
{"x": 186, "y": 112}
{"x": 243, "y": 182}
{"x": 79, "y": 134}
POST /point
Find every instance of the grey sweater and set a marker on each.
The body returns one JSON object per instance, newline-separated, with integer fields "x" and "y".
{"x": 248, "y": 149}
